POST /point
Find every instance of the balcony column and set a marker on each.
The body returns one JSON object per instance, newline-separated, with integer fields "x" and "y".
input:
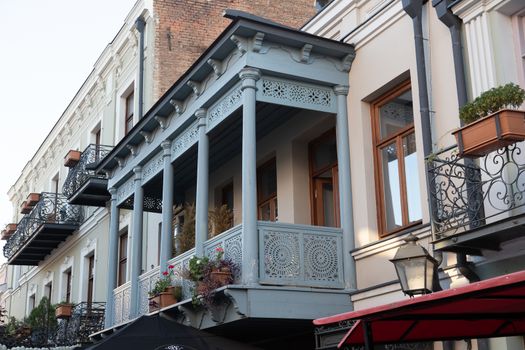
{"x": 201, "y": 205}
{"x": 136, "y": 242}
{"x": 166, "y": 243}
{"x": 250, "y": 239}
{"x": 345, "y": 186}
{"x": 112, "y": 258}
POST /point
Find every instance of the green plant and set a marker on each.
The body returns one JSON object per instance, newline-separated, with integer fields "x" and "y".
{"x": 506, "y": 96}
{"x": 186, "y": 238}
{"x": 220, "y": 219}
{"x": 43, "y": 315}
{"x": 196, "y": 268}
{"x": 163, "y": 282}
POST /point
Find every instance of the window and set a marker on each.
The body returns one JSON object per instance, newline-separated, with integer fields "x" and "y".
{"x": 397, "y": 182}
{"x": 68, "y": 286}
{"x": 267, "y": 191}
{"x": 227, "y": 195}
{"x": 48, "y": 291}
{"x": 91, "y": 278}
{"x": 32, "y": 303}
{"x": 130, "y": 111}
{"x": 123, "y": 258}
{"x": 324, "y": 181}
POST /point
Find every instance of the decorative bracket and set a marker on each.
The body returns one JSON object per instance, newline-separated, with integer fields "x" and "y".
{"x": 120, "y": 162}
{"x": 132, "y": 149}
{"x": 163, "y": 121}
{"x": 305, "y": 53}
{"x": 178, "y": 105}
{"x": 240, "y": 42}
{"x": 346, "y": 62}
{"x": 257, "y": 42}
{"x": 148, "y": 136}
{"x": 195, "y": 86}
{"x": 217, "y": 66}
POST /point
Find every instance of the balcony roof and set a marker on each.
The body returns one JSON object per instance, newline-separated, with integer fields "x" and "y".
{"x": 245, "y": 26}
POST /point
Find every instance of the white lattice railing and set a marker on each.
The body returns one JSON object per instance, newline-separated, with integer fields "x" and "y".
{"x": 289, "y": 254}
{"x": 300, "y": 255}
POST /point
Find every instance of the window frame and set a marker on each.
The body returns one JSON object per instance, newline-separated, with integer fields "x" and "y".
{"x": 271, "y": 199}
{"x": 127, "y": 115}
{"x": 378, "y": 145}
{"x": 122, "y": 260}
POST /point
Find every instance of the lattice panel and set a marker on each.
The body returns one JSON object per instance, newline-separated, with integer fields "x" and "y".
{"x": 321, "y": 260}
{"x": 224, "y": 108}
{"x": 281, "y": 255}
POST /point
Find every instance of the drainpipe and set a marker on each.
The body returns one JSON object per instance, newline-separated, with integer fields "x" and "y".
{"x": 454, "y": 23}
{"x": 140, "y": 25}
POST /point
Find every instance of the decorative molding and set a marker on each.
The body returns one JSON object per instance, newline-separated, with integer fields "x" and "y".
{"x": 163, "y": 121}
{"x": 257, "y": 42}
{"x": 346, "y": 62}
{"x": 224, "y": 107}
{"x": 126, "y": 190}
{"x": 148, "y": 136}
{"x": 153, "y": 167}
{"x": 195, "y": 86}
{"x": 184, "y": 140}
{"x": 178, "y": 105}
{"x": 121, "y": 162}
{"x": 132, "y": 149}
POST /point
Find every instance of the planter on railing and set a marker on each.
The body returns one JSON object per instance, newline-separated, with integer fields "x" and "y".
{"x": 488, "y": 134}
{"x": 71, "y": 159}
{"x": 8, "y": 231}
{"x": 32, "y": 199}
{"x": 25, "y": 208}
{"x": 63, "y": 310}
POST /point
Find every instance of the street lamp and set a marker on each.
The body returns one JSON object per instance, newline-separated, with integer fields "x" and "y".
{"x": 415, "y": 267}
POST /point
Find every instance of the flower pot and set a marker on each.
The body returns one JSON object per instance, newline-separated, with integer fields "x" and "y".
{"x": 71, "y": 159}
{"x": 490, "y": 133}
{"x": 8, "y": 231}
{"x": 25, "y": 208}
{"x": 63, "y": 310}
{"x": 163, "y": 299}
{"x": 32, "y": 199}
{"x": 221, "y": 277}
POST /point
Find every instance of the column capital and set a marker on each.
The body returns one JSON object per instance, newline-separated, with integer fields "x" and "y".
{"x": 138, "y": 173}
{"x": 341, "y": 89}
{"x": 113, "y": 192}
{"x": 249, "y": 77}
{"x": 201, "y": 114}
{"x": 166, "y": 147}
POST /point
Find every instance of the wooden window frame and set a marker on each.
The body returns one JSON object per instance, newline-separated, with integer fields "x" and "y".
{"x": 68, "y": 285}
{"x": 333, "y": 167}
{"x": 378, "y": 145}
{"x": 271, "y": 199}
{"x": 91, "y": 279}
{"x": 122, "y": 260}
{"x": 128, "y": 116}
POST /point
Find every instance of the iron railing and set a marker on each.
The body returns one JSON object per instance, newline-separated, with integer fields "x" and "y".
{"x": 86, "y": 318}
{"x": 52, "y": 208}
{"x": 85, "y": 169}
{"x": 469, "y": 193}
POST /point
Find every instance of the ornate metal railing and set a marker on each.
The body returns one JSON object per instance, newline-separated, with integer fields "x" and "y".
{"x": 469, "y": 193}
{"x": 86, "y": 319}
{"x": 52, "y": 208}
{"x": 85, "y": 168}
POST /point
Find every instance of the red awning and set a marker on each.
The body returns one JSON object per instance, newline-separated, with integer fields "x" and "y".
{"x": 490, "y": 308}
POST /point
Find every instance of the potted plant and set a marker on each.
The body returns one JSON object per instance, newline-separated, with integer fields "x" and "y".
{"x": 491, "y": 123}
{"x": 63, "y": 309}
{"x": 221, "y": 271}
{"x": 8, "y": 231}
{"x": 164, "y": 293}
{"x": 72, "y": 157}
{"x": 32, "y": 199}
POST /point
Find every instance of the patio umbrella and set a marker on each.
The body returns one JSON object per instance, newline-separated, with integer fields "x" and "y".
{"x": 158, "y": 333}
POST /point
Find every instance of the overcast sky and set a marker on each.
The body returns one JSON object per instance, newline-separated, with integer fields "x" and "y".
{"x": 48, "y": 49}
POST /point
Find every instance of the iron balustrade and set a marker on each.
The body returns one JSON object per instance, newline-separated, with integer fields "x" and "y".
{"x": 469, "y": 193}
{"x": 52, "y": 208}
{"x": 85, "y": 168}
{"x": 86, "y": 318}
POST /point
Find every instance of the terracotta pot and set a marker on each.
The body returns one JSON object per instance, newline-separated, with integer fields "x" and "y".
{"x": 10, "y": 228}
{"x": 163, "y": 299}
{"x": 221, "y": 277}
{"x": 71, "y": 159}
{"x": 488, "y": 134}
{"x": 25, "y": 208}
{"x": 63, "y": 310}
{"x": 32, "y": 199}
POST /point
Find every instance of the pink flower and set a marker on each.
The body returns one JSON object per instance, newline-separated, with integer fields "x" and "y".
{"x": 219, "y": 250}
{"x": 165, "y": 273}
{"x": 171, "y": 267}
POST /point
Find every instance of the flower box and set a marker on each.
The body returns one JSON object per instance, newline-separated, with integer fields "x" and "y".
{"x": 221, "y": 277}
{"x": 490, "y": 133}
{"x": 25, "y": 208}
{"x": 8, "y": 231}
{"x": 71, "y": 159}
{"x": 32, "y": 199}
{"x": 163, "y": 299}
{"x": 63, "y": 310}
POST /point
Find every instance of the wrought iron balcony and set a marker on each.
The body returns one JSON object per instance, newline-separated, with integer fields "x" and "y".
{"x": 83, "y": 186}
{"x": 87, "y": 318}
{"x": 477, "y": 203}
{"x": 48, "y": 224}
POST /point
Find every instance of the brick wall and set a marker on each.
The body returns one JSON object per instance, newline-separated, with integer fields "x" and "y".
{"x": 185, "y": 28}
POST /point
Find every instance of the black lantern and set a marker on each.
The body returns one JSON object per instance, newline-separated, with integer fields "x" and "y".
{"x": 415, "y": 267}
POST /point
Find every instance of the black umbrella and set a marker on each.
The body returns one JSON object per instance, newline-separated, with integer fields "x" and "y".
{"x": 158, "y": 333}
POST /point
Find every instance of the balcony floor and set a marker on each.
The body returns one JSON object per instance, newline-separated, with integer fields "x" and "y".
{"x": 94, "y": 192}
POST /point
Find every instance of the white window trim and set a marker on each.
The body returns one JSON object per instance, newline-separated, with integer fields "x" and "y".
{"x": 89, "y": 249}
{"x": 68, "y": 264}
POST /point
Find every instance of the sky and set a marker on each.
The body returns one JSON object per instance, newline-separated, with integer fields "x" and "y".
{"x": 48, "y": 48}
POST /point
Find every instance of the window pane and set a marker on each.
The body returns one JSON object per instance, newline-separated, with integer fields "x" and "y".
{"x": 324, "y": 153}
{"x": 396, "y": 115}
{"x": 391, "y": 188}
{"x": 412, "y": 178}
{"x": 328, "y": 204}
{"x": 267, "y": 181}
